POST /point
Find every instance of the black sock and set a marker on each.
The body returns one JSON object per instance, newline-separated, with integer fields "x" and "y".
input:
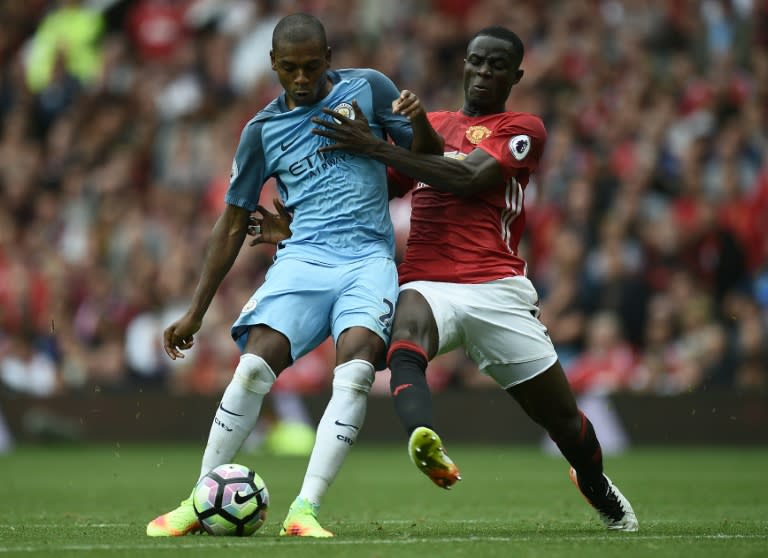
{"x": 584, "y": 454}
{"x": 408, "y": 384}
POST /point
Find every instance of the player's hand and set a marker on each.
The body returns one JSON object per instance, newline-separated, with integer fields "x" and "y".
{"x": 179, "y": 336}
{"x": 349, "y": 134}
{"x": 409, "y": 105}
{"x": 268, "y": 227}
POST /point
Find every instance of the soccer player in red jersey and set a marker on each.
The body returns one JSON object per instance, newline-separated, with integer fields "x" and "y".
{"x": 462, "y": 281}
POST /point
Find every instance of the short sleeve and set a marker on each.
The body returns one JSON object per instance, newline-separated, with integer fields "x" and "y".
{"x": 517, "y": 143}
{"x": 397, "y": 126}
{"x": 248, "y": 172}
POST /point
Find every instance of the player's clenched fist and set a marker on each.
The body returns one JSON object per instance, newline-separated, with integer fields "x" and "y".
{"x": 408, "y": 104}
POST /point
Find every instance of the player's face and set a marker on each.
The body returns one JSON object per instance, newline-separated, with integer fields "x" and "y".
{"x": 490, "y": 71}
{"x": 301, "y": 70}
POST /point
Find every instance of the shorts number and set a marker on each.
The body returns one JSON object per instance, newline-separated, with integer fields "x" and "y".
{"x": 386, "y": 319}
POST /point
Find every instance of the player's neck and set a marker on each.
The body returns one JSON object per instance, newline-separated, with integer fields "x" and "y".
{"x": 473, "y": 110}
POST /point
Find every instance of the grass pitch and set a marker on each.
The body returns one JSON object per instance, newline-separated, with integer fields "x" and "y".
{"x": 513, "y": 502}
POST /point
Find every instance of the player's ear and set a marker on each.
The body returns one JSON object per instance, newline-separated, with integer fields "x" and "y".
{"x": 518, "y": 76}
{"x": 328, "y": 55}
{"x": 272, "y": 59}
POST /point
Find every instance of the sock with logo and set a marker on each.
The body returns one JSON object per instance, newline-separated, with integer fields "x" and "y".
{"x": 584, "y": 454}
{"x": 238, "y": 411}
{"x": 408, "y": 384}
{"x": 339, "y": 427}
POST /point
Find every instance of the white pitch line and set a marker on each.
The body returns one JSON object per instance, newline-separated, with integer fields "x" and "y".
{"x": 65, "y": 525}
{"x": 124, "y": 525}
{"x": 263, "y": 541}
{"x": 574, "y": 523}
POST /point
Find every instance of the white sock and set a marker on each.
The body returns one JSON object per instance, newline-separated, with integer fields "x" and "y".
{"x": 339, "y": 427}
{"x": 238, "y": 411}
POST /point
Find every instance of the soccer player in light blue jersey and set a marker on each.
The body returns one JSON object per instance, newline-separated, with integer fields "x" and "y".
{"x": 334, "y": 276}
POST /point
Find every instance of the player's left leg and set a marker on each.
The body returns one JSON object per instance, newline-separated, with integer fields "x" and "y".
{"x": 336, "y": 433}
{"x": 548, "y": 400}
{"x": 361, "y": 319}
{"x": 414, "y": 344}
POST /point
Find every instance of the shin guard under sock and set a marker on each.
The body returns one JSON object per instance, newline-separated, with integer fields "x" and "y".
{"x": 408, "y": 385}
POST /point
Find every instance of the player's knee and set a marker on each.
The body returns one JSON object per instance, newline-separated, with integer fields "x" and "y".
{"x": 419, "y": 331}
{"x": 359, "y": 343}
{"x": 254, "y": 374}
{"x": 409, "y": 329}
{"x": 354, "y": 375}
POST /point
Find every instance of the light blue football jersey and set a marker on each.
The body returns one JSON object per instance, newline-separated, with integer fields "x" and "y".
{"x": 339, "y": 200}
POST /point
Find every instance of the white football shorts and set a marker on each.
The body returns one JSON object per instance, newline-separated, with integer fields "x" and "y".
{"x": 496, "y": 323}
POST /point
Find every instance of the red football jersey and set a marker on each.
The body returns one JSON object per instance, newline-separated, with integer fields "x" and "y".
{"x": 474, "y": 238}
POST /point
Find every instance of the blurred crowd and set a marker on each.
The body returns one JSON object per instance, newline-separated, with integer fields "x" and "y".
{"x": 647, "y": 230}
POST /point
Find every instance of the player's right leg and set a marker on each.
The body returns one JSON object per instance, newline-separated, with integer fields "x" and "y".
{"x": 414, "y": 342}
{"x": 547, "y": 399}
{"x": 611, "y": 505}
{"x": 508, "y": 342}
{"x": 235, "y": 418}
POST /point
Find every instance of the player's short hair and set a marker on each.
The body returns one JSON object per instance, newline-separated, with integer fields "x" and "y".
{"x": 499, "y": 32}
{"x": 297, "y": 28}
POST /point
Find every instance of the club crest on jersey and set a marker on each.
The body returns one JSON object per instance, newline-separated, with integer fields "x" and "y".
{"x": 519, "y": 146}
{"x": 250, "y": 305}
{"x": 476, "y": 134}
{"x": 345, "y": 109}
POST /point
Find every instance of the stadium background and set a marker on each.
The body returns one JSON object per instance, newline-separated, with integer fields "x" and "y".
{"x": 647, "y": 223}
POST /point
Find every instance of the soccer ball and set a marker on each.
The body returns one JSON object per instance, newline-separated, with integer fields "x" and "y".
{"x": 231, "y": 500}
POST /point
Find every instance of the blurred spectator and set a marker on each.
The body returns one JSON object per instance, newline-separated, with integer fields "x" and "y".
{"x": 749, "y": 335}
{"x": 660, "y": 361}
{"x": 563, "y": 288}
{"x": 702, "y": 340}
{"x": 26, "y": 369}
{"x": 66, "y": 43}
{"x": 613, "y": 268}
{"x": 607, "y": 363}
{"x": 157, "y": 28}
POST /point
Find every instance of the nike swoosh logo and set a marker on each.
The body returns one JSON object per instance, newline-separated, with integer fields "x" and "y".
{"x": 228, "y": 411}
{"x": 285, "y": 145}
{"x": 338, "y": 422}
{"x": 400, "y": 388}
{"x": 242, "y": 499}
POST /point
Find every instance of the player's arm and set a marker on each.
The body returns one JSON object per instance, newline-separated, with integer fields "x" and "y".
{"x": 223, "y": 246}
{"x": 226, "y": 239}
{"x": 249, "y": 172}
{"x": 391, "y": 105}
{"x": 477, "y": 172}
